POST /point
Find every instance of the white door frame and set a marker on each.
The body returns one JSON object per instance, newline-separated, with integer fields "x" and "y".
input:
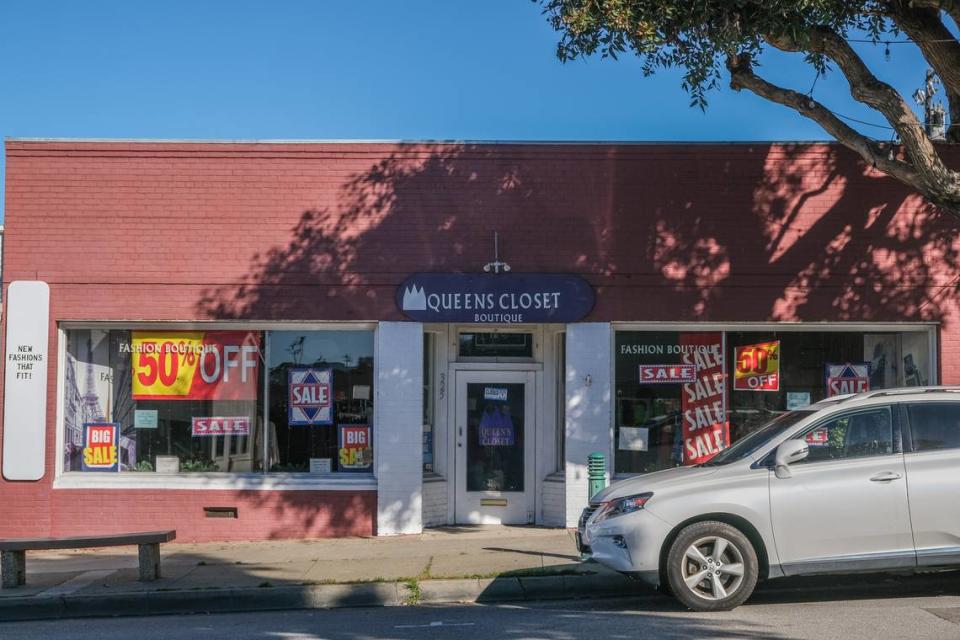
{"x": 469, "y": 507}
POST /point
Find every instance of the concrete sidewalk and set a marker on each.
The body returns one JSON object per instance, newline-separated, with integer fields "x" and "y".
{"x": 452, "y": 564}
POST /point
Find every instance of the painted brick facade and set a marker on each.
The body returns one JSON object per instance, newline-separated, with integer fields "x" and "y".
{"x": 325, "y": 231}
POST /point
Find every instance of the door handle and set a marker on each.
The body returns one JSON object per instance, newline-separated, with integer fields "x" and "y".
{"x": 885, "y": 476}
{"x": 460, "y": 439}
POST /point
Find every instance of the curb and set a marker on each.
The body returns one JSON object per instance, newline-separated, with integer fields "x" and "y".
{"x": 329, "y": 596}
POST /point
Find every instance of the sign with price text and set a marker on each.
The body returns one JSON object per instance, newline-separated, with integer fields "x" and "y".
{"x": 194, "y": 365}
{"x": 757, "y": 367}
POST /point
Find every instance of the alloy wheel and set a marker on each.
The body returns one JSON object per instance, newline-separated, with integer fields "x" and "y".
{"x": 712, "y": 568}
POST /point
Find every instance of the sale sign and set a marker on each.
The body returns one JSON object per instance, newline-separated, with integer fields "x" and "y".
{"x": 100, "y": 446}
{"x": 309, "y": 393}
{"x": 239, "y": 426}
{"x": 847, "y": 378}
{"x": 667, "y": 373}
{"x": 194, "y": 365}
{"x": 706, "y": 431}
{"x": 356, "y": 447}
{"x": 757, "y": 367}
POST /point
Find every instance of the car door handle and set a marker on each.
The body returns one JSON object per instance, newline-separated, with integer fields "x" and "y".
{"x": 886, "y": 476}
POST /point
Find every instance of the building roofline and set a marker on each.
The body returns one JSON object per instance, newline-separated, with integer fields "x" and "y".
{"x": 426, "y": 141}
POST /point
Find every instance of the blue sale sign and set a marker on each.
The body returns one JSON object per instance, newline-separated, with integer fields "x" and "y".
{"x": 495, "y": 298}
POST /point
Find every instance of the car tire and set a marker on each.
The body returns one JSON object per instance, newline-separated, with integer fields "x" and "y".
{"x": 703, "y": 582}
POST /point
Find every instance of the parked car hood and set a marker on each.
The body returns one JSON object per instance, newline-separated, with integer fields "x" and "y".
{"x": 672, "y": 478}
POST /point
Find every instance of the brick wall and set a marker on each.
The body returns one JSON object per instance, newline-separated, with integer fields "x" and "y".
{"x": 717, "y": 232}
{"x": 554, "y": 501}
{"x": 434, "y": 502}
{"x": 260, "y": 514}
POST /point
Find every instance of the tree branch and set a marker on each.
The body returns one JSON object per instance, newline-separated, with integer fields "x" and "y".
{"x": 952, "y": 7}
{"x": 953, "y": 130}
{"x": 936, "y": 181}
{"x": 742, "y": 76}
{"x": 936, "y": 43}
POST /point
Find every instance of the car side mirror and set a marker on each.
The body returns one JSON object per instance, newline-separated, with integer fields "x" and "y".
{"x": 787, "y": 453}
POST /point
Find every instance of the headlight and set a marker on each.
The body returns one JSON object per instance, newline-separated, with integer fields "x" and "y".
{"x": 622, "y": 506}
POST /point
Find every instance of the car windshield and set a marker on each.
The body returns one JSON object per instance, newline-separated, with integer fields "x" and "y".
{"x": 749, "y": 444}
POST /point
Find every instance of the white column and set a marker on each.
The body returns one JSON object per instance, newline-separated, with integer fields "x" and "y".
{"x": 589, "y": 403}
{"x": 398, "y": 440}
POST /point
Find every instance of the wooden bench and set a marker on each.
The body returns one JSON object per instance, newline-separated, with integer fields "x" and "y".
{"x": 13, "y": 552}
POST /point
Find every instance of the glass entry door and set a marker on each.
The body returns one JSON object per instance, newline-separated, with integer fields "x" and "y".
{"x": 495, "y": 429}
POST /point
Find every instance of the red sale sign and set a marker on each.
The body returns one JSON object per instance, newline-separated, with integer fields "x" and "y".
{"x": 667, "y": 373}
{"x": 194, "y": 365}
{"x": 239, "y": 426}
{"x": 705, "y": 426}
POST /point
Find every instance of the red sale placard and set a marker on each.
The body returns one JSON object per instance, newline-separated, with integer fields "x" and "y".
{"x": 706, "y": 431}
{"x": 194, "y": 365}
{"x": 238, "y": 426}
{"x": 667, "y": 373}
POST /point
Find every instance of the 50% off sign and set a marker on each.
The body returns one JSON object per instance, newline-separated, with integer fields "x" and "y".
{"x": 211, "y": 365}
{"x": 757, "y": 367}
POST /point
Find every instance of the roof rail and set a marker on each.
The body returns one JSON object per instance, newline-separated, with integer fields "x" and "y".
{"x": 899, "y": 391}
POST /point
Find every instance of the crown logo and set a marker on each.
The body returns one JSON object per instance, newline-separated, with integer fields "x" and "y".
{"x": 414, "y": 299}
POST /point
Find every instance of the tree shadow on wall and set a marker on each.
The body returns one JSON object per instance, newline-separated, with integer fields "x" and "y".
{"x": 664, "y": 233}
{"x": 672, "y": 233}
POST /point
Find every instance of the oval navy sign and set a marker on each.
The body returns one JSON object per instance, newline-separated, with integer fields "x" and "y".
{"x": 489, "y": 298}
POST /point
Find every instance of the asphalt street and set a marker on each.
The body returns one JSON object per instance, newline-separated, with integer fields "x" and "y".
{"x": 915, "y": 607}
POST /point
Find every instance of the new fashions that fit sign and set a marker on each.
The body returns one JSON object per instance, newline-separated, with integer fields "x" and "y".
{"x": 500, "y": 298}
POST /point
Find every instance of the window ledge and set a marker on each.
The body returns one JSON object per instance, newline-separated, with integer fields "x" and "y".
{"x": 556, "y": 476}
{"x": 219, "y": 481}
{"x": 433, "y": 476}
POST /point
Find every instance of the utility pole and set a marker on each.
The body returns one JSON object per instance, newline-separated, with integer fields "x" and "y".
{"x": 934, "y": 116}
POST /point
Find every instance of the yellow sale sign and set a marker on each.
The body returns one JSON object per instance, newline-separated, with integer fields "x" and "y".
{"x": 195, "y": 365}
{"x": 757, "y": 367}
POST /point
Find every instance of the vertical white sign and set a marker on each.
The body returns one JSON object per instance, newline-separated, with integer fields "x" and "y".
{"x": 25, "y": 382}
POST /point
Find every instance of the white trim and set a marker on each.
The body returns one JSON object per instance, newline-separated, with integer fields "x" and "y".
{"x": 217, "y": 481}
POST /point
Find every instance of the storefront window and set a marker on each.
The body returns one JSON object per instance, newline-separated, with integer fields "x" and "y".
{"x": 669, "y": 399}
{"x": 492, "y": 344}
{"x": 193, "y": 401}
{"x": 428, "y": 399}
{"x": 681, "y": 397}
{"x": 815, "y": 364}
{"x": 169, "y": 401}
{"x": 321, "y": 401}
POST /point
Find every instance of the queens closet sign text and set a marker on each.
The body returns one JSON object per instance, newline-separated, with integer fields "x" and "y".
{"x": 495, "y": 298}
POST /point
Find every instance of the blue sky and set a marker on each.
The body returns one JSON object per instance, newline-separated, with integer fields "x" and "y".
{"x": 365, "y": 69}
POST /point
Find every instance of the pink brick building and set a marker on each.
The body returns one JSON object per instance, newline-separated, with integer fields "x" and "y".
{"x": 790, "y": 261}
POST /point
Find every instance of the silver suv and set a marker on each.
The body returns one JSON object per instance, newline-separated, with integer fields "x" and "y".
{"x": 866, "y": 482}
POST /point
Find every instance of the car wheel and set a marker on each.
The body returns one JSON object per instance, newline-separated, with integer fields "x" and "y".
{"x": 712, "y": 566}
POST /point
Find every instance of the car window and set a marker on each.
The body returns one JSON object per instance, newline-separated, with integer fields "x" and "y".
{"x": 934, "y": 426}
{"x": 851, "y": 435}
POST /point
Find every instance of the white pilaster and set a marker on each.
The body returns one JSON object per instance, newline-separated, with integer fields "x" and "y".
{"x": 589, "y": 402}
{"x": 398, "y": 443}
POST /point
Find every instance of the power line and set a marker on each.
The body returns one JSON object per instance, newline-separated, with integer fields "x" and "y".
{"x": 888, "y": 42}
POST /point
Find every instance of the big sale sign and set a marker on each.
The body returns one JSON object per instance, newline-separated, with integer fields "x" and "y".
{"x": 194, "y": 365}
{"x": 356, "y": 447}
{"x": 101, "y": 446}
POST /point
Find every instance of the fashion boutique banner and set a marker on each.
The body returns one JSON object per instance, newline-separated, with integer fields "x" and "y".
{"x": 501, "y": 298}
